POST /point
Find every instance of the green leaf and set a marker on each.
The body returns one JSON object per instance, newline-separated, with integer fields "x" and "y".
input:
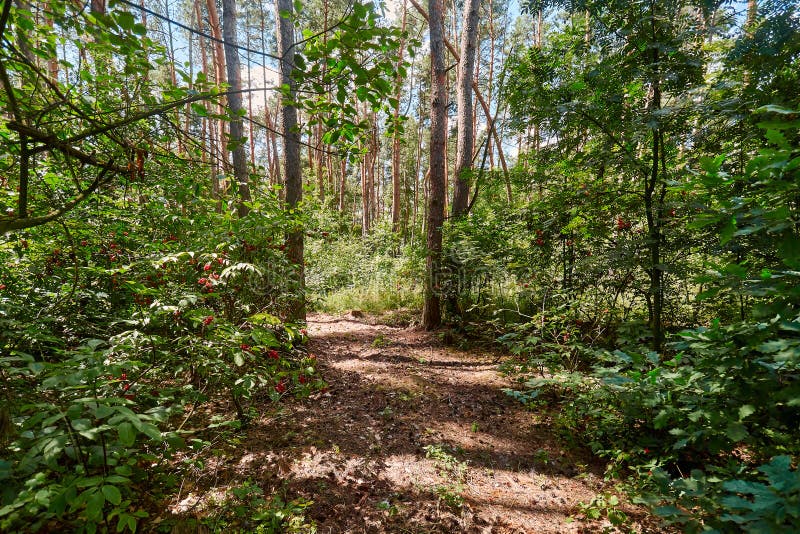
{"x": 127, "y": 434}
{"x": 773, "y": 108}
{"x": 789, "y": 251}
{"x": 727, "y": 231}
{"x": 150, "y": 430}
{"x": 746, "y": 410}
{"x": 238, "y": 359}
{"x": 103, "y": 411}
{"x": 112, "y": 494}
{"x": 94, "y": 506}
{"x": 199, "y": 109}
{"x": 736, "y": 432}
{"x": 777, "y": 138}
{"x": 125, "y": 20}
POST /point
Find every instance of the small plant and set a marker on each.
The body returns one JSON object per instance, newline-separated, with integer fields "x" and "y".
{"x": 387, "y": 506}
{"x": 604, "y": 505}
{"x": 449, "y": 468}
{"x": 247, "y": 508}
{"x": 381, "y": 341}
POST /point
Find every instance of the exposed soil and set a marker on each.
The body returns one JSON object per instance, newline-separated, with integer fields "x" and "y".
{"x": 412, "y": 436}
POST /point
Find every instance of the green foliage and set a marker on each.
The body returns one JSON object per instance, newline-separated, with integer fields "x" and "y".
{"x": 734, "y": 499}
{"x": 452, "y": 470}
{"x": 350, "y": 273}
{"x": 246, "y": 508}
{"x": 604, "y": 506}
{"x": 114, "y": 329}
{"x": 721, "y": 391}
{"x": 346, "y": 68}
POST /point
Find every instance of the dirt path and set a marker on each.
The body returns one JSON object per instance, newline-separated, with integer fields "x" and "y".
{"x": 416, "y": 437}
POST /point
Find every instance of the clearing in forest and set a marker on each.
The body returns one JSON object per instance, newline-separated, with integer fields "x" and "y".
{"x": 411, "y": 436}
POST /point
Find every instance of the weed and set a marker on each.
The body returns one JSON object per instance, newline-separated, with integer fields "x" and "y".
{"x": 451, "y": 469}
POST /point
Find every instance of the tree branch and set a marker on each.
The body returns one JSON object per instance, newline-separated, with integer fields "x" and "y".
{"x": 51, "y": 142}
{"x": 30, "y": 222}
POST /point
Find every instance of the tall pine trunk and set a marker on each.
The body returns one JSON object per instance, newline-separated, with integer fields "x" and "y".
{"x": 291, "y": 152}
{"x": 396, "y": 137}
{"x": 432, "y": 312}
{"x": 234, "y": 73}
{"x": 465, "y": 140}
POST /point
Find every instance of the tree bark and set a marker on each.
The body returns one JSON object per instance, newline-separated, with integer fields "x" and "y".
{"x": 484, "y": 106}
{"x": 219, "y": 68}
{"x": 464, "y": 140}
{"x": 432, "y": 313}
{"x": 240, "y": 172}
{"x": 396, "y": 137}
{"x": 291, "y": 152}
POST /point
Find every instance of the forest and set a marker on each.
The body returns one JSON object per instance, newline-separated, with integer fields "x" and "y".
{"x": 357, "y": 266}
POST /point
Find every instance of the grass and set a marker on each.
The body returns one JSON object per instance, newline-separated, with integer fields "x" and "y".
{"x": 370, "y": 299}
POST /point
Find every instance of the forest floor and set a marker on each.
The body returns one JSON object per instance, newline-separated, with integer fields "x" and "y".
{"x": 412, "y": 436}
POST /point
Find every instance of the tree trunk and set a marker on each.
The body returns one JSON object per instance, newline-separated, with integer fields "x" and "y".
{"x": 464, "y": 139}
{"x": 484, "y": 106}
{"x": 432, "y": 313}
{"x": 208, "y": 125}
{"x": 219, "y": 68}
{"x": 291, "y": 152}
{"x": 342, "y": 182}
{"x": 240, "y": 172}
{"x": 396, "y": 137}
{"x": 654, "y": 206}
{"x": 365, "y": 197}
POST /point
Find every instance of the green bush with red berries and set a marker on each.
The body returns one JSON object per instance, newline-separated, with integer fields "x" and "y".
{"x": 115, "y": 329}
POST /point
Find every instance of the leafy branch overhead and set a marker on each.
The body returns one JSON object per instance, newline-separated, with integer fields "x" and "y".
{"x": 352, "y": 65}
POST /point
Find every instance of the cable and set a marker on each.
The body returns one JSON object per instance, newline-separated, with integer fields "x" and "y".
{"x": 198, "y": 32}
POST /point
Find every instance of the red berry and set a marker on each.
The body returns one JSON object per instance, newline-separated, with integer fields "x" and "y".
{"x": 2, "y": 287}
{"x": 207, "y": 267}
{"x": 207, "y": 321}
{"x": 280, "y": 387}
{"x": 302, "y": 379}
{"x": 244, "y": 346}
{"x": 126, "y": 387}
{"x": 273, "y": 354}
{"x": 202, "y": 281}
{"x": 220, "y": 260}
